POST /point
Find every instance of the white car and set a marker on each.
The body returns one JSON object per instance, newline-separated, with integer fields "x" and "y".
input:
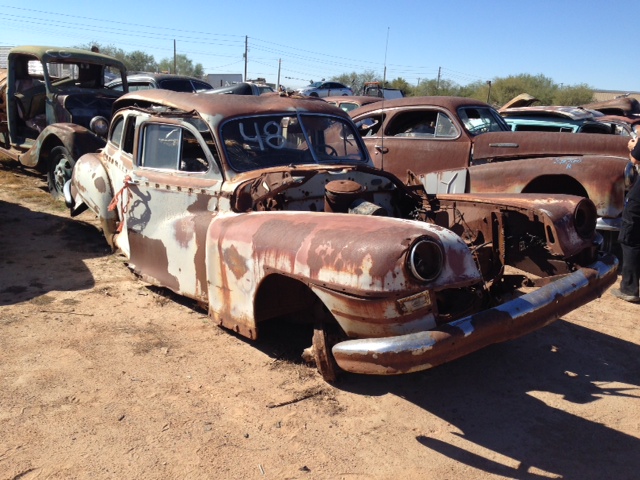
{"x": 325, "y": 89}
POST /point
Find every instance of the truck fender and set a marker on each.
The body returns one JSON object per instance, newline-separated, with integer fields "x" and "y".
{"x": 76, "y": 139}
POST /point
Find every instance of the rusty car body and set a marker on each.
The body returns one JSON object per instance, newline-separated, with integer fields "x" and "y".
{"x": 454, "y": 144}
{"x": 553, "y": 118}
{"x": 55, "y": 107}
{"x": 165, "y": 81}
{"x": 348, "y": 103}
{"x": 268, "y": 207}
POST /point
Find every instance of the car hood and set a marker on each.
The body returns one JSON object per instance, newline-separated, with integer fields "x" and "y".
{"x": 504, "y": 145}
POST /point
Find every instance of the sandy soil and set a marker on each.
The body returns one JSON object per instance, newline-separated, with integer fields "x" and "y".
{"x": 102, "y": 376}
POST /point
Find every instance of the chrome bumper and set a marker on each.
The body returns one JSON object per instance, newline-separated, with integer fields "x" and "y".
{"x": 423, "y": 350}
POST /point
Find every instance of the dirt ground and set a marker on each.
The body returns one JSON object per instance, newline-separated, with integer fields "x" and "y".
{"x": 102, "y": 376}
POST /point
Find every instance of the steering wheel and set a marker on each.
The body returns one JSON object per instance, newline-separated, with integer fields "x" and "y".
{"x": 326, "y": 149}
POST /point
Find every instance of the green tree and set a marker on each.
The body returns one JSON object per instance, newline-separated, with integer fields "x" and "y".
{"x": 573, "y": 95}
{"x": 433, "y": 86}
{"x": 138, "y": 61}
{"x": 184, "y": 66}
{"x": 357, "y": 80}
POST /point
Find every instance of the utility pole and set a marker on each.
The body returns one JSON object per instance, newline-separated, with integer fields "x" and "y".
{"x": 279, "y": 68}
{"x": 175, "y": 61}
{"x": 246, "y": 51}
{"x": 438, "y": 80}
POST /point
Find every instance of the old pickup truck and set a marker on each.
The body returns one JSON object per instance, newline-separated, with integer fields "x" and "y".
{"x": 54, "y": 107}
{"x": 268, "y": 209}
{"x": 457, "y": 145}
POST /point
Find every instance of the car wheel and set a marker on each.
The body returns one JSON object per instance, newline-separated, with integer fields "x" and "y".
{"x": 59, "y": 171}
{"x": 313, "y": 94}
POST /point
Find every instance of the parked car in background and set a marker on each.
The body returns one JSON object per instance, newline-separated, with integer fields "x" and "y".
{"x": 164, "y": 81}
{"x": 54, "y": 107}
{"x": 375, "y": 89}
{"x": 243, "y": 88}
{"x": 325, "y": 89}
{"x": 453, "y": 144}
{"x": 558, "y": 119}
{"x": 268, "y": 208}
{"x": 348, "y": 103}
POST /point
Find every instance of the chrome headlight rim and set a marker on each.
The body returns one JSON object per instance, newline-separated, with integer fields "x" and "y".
{"x": 585, "y": 217}
{"x": 426, "y": 259}
{"x": 100, "y": 126}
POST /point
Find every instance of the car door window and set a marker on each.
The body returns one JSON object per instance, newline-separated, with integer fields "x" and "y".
{"x": 414, "y": 123}
{"x": 171, "y": 147}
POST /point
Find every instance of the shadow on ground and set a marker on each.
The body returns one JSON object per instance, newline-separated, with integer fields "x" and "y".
{"x": 40, "y": 252}
{"x": 490, "y": 398}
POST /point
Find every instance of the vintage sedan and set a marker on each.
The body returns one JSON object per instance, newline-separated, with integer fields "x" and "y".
{"x": 348, "y": 103}
{"x": 453, "y": 144}
{"x": 164, "y": 81}
{"x": 266, "y": 208}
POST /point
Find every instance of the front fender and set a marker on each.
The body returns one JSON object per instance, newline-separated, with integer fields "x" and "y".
{"x": 76, "y": 139}
{"x": 360, "y": 256}
{"x": 90, "y": 184}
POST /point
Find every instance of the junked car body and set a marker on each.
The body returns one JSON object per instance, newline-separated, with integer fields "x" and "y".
{"x": 348, "y": 103}
{"x": 163, "y": 81}
{"x": 265, "y": 207}
{"x": 55, "y": 107}
{"x": 453, "y": 144}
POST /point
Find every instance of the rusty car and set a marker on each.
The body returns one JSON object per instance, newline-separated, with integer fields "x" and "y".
{"x": 348, "y": 103}
{"x": 55, "y": 107}
{"x": 455, "y": 145}
{"x": 165, "y": 81}
{"x": 268, "y": 208}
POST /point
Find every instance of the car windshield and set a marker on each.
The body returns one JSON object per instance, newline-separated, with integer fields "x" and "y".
{"x": 479, "y": 120}
{"x": 277, "y": 140}
{"x": 81, "y": 74}
{"x": 314, "y": 85}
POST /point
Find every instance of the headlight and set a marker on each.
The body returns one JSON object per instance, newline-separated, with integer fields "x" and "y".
{"x": 585, "y": 217}
{"x": 99, "y": 125}
{"x": 425, "y": 259}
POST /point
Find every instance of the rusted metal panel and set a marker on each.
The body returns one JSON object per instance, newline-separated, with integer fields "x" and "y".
{"x": 424, "y": 350}
{"x": 507, "y": 145}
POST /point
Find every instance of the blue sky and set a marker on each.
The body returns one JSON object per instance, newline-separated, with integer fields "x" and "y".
{"x": 572, "y": 42}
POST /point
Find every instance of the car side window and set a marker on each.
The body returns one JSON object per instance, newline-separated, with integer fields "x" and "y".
{"x": 414, "y": 123}
{"x": 370, "y": 126}
{"x": 116, "y": 131}
{"x": 445, "y": 128}
{"x": 170, "y": 147}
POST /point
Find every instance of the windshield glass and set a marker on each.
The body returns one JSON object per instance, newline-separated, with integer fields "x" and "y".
{"x": 479, "y": 120}
{"x": 277, "y": 140}
{"x": 81, "y": 74}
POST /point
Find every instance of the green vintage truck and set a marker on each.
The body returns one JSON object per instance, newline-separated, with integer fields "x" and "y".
{"x": 54, "y": 107}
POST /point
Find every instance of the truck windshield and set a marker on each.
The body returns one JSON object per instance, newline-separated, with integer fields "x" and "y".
{"x": 279, "y": 140}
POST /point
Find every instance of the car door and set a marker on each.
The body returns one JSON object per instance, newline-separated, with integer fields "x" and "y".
{"x": 420, "y": 140}
{"x": 174, "y": 190}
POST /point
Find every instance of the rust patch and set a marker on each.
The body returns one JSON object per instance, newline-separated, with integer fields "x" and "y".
{"x": 235, "y": 262}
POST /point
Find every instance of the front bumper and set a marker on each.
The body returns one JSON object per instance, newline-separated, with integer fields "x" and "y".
{"x": 423, "y": 350}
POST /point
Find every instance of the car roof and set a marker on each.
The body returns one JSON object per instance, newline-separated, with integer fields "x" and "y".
{"x": 225, "y": 106}
{"x": 359, "y": 99}
{"x": 450, "y": 103}
{"x": 49, "y": 54}
{"x": 160, "y": 76}
{"x": 571, "y": 113}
